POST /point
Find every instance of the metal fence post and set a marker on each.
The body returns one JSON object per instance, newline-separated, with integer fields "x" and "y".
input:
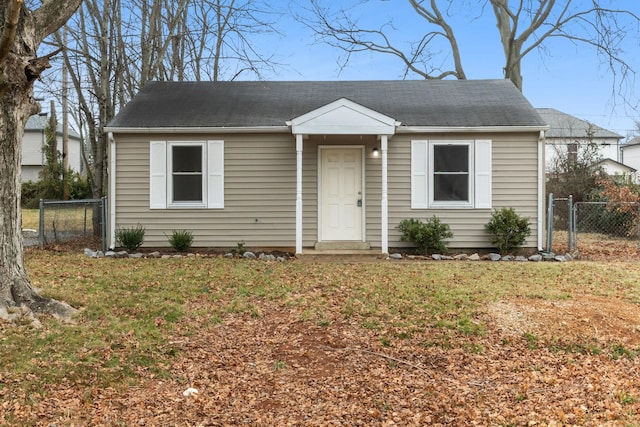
{"x": 103, "y": 223}
{"x": 550, "y": 223}
{"x": 41, "y": 224}
{"x": 571, "y": 226}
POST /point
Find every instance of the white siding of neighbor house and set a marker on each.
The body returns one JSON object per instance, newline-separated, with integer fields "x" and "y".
{"x": 260, "y": 190}
{"x": 33, "y": 158}
{"x": 631, "y": 157}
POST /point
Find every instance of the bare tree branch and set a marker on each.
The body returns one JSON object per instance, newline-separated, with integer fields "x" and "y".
{"x": 341, "y": 31}
{"x": 52, "y": 15}
{"x": 523, "y": 26}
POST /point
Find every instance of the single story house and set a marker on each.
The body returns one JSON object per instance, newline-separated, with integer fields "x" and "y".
{"x": 300, "y": 165}
{"x": 33, "y": 144}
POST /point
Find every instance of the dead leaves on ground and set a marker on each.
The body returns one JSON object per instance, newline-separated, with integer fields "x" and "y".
{"x": 280, "y": 370}
{"x": 566, "y": 361}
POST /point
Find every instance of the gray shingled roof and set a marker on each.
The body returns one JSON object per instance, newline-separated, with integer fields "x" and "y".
{"x": 563, "y": 125}
{"x": 433, "y": 103}
{"x": 38, "y": 123}
{"x": 631, "y": 142}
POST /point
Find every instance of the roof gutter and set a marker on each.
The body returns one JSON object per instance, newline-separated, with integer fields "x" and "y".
{"x": 202, "y": 130}
{"x": 287, "y": 129}
{"x": 469, "y": 129}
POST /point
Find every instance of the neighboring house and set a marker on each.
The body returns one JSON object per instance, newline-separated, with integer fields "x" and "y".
{"x": 568, "y": 134}
{"x": 631, "y": 154}
{"x": 33, "y": 158}
{"x": 300, "y": 165}
{"x": 618, "y": 170}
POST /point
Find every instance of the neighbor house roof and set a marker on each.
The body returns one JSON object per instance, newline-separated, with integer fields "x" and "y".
{"x": 566, "y": 126}
{"x": 38, "y": 123}
{"x": 616, "y": 163}
{"x": 631, "y": 143}
{"x": 420, "y": 103}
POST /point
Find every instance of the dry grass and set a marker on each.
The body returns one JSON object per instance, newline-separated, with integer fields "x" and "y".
{"x": 31, "y": 219}
{"x": 413, "y": 343}
{"x": 599, "y": 247}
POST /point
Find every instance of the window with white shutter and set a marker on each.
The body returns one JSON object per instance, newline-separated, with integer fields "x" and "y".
{"x": 185, "y": 174}
{"x": 450, "y": 174}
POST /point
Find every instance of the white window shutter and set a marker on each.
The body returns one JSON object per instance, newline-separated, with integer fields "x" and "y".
{"x": 482, "y": 169}
{"x": 419, "y": 175}
{"x": 158, "y": 175}
{"x": 215, "y": 174}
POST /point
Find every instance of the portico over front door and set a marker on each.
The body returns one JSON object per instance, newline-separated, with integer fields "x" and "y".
{"x": 341, "y": 204}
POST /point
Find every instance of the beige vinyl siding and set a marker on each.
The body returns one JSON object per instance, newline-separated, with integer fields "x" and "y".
{"x": 260, "y": 190}
{"x": 514, "y": 184}
{"x": 373, "y": 195}
{"x": 259, "y": 193}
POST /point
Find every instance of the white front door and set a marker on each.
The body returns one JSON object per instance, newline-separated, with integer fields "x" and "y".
{"x": 341, "y": 202}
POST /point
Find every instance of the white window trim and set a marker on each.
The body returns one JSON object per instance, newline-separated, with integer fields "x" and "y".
{"x": 450, "y": 204}
{"x": 203, "y": 172}
{"x": 160, "y": 175}
{"x": 480, "y": 175}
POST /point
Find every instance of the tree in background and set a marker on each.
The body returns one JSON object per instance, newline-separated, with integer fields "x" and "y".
{"x": 51, "y": 176}
{"x": 574, "y": 169}
{"x": 115, "y": 47}
{"x": 53, "y": 183}
{"x": 523, "y": 27}
{"x": 22, "y": 30}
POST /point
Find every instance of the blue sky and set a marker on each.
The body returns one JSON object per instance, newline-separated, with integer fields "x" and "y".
{"x": 568, "y": 77}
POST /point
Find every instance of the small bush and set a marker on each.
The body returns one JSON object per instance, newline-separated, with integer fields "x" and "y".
{"x": 507, "y": 229}
{"x": 130, "y": 238}
{"x": 239, "y": 249}
{"x": 428, "y": 236}
{"x": 181, "y": 240}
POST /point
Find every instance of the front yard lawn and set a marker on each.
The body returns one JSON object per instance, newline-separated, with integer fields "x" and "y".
{"x": 305, "y": 343}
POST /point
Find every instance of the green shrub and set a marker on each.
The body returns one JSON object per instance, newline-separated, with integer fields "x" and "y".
{"x": 181, "y": 240}
{"x": 79, "y": 187}
{"x": 507, "y": 229}
{"x": 239, "y": 249}
{"x": 130, "y": 238}
{"x": 30, "y": 195}
{"x": 427, "y": 236}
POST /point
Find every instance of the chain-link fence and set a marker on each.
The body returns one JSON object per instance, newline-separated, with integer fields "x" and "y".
{"x": 590, "y": 228}
{"x": 73, "y": 222}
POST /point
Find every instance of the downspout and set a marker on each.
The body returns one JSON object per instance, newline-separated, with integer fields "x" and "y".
{"x": 112, "y": 190}
{"x": 541, "y": 187}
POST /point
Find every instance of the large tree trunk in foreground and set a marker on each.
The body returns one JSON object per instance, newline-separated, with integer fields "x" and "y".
{"x": 15, "y": 287}
{"x": 22, "y": 33}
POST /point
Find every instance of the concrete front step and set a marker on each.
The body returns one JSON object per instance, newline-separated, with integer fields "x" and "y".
{"x": 344, "y": 255}
{"x": 342, "y": 246}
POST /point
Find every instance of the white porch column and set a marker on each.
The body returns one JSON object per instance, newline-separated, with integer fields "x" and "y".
{"x": 298, "y": 193}
{"x": 385, "y": 202}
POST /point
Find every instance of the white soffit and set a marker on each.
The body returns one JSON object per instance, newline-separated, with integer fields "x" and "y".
{"x": 343, "y": 117}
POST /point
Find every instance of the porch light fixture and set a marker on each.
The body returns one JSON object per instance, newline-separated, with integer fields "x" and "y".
{"x": 376, "y": 152}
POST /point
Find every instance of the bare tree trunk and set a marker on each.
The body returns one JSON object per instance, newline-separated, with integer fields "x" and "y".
{"x": 19, "y": 67}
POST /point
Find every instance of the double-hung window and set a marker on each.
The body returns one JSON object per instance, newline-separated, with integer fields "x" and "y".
{"x": 186, "y": 174}
{"x": 450, "y": 174}
{"x": 186, "y": 164}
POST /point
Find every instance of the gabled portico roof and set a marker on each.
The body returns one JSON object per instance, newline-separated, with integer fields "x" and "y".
{"x": 343, "y": 117}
